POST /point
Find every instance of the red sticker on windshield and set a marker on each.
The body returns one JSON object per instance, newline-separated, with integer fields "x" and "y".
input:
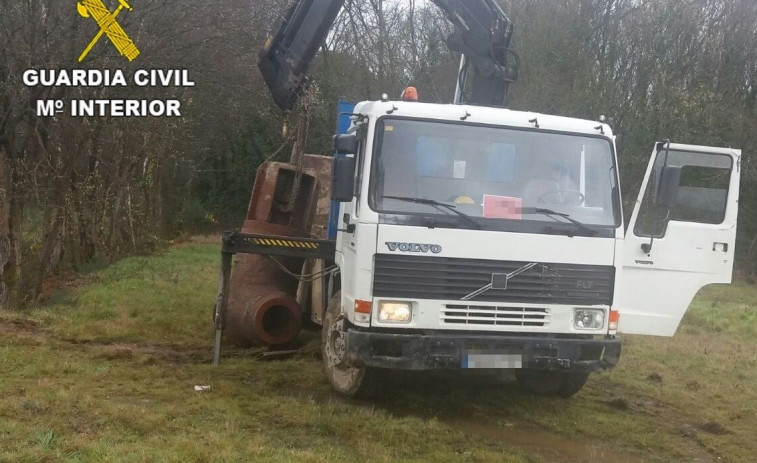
{"x": 502, "y": 207}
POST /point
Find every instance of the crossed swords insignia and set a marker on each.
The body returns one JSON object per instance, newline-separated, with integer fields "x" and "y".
{"x": 108, "y": 26}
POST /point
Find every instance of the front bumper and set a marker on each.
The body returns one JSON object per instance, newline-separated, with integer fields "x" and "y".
{"x": 451, "y": 351}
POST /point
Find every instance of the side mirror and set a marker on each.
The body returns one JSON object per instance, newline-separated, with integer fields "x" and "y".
{"x": 667, "y": 192}
{"x": 345, "y": 143}
{"x": 343, "y": 179}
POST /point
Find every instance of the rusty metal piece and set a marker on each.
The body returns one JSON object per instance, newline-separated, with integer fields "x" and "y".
{"x": 262, "y": 304}
{"x": 269, "y": 318}
{"x": 272, "y": 192}
{"x": 262, "y": 308}
{"x": 321, "y": 168}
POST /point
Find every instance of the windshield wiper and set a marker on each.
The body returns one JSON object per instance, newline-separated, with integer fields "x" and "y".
{"x": 437, "y": 204}
{"x": 551, "y": 213}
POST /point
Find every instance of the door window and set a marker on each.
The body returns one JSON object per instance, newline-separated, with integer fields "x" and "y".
{"x": 702, "y": 193}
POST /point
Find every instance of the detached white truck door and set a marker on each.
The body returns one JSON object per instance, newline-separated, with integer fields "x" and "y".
{"x": 692, "y": 243}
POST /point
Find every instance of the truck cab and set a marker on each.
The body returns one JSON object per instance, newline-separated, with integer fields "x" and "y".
{"x": 478, "y": 237}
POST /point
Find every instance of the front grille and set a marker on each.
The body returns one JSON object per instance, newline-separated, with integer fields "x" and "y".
{"x": 458, "y": 314}
{"x": 444, "y": 278}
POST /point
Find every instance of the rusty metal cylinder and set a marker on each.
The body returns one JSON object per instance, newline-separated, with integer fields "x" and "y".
{"x": 262, "y": 307}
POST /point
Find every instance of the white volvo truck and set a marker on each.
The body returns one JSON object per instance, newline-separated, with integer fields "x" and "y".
{"x": 477, "y": 237}
{"x": 473, "y": 236}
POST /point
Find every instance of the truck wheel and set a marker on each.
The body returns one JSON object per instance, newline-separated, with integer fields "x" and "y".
{"x": 551, "y": 383}
{"x": 347, "y": 380}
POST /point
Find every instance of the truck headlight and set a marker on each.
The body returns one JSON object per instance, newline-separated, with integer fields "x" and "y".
{"x": 588, "y": 319}
{"x": 395, "y": 312}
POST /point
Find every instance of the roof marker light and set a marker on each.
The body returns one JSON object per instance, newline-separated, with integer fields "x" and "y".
{"x": 410, "y": 94}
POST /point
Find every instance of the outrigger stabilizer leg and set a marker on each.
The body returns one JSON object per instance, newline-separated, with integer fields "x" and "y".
{"x": 222, "y": 302}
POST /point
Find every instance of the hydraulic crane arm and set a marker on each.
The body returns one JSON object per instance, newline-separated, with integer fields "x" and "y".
{"x": 288, "y": 52}
{"x": 482, "y": 34}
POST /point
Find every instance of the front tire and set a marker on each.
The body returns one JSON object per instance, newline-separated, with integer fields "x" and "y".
{"x": 347, "y": 380}
{"x": 552, "y": 383}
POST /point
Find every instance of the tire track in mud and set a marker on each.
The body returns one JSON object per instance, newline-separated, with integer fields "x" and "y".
{"x": 549, "y": 445}
{"x": 463, "y": 402}
{"x": 34, "y": 333}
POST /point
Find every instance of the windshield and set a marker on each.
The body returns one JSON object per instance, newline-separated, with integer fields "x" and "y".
{"x": 492, "y": 173}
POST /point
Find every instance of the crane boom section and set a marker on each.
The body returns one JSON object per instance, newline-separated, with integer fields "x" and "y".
{"x": 482, "y": 35}
{"x": 289, "y": 50}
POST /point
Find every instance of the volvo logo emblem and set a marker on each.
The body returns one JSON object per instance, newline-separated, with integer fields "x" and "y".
{"x": 413, "y": 247}
{"x": 500, "y": 280}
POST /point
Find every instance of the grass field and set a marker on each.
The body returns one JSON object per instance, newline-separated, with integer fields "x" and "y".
{"x": 106, "y": 369}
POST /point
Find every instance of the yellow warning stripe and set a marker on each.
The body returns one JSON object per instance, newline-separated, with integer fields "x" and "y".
{"x": 285, "y": 243}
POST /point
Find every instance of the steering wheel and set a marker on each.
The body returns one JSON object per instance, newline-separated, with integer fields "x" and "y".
{"x": 567, "y": 197}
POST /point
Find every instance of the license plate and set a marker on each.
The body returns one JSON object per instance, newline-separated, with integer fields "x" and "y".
{"x": 492, "y": 360}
